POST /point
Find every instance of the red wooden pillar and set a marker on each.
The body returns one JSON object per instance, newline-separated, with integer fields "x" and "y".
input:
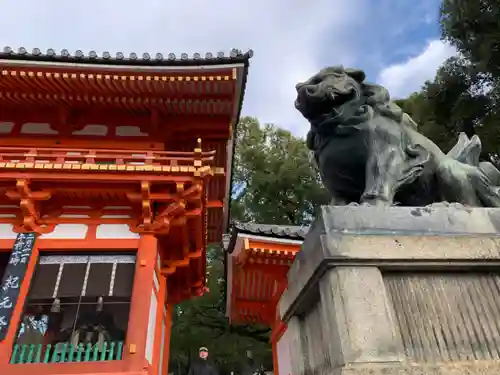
{"x": 278, "y": 330}
{"x": 137, "y": 331}
{"x": 168, "y": 331}
{"x": 278, "y": 327}
{"x": 274, "y": 348}
{"x": 162, "y": 281}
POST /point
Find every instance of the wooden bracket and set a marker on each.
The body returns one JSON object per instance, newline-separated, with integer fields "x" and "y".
{"x": 28, "y": 204}
{"x": 174, "y": 207}
{"x": 147, "y": 212}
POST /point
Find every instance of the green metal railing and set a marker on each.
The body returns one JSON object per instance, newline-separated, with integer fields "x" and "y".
{"x": 65, "y": 352}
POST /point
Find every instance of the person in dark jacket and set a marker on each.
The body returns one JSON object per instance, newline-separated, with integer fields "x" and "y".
{"x": 202, "y": 366}
{"x": 249, "y": 366}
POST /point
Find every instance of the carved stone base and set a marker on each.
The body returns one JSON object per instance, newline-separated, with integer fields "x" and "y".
{"x": 397, "y": 290}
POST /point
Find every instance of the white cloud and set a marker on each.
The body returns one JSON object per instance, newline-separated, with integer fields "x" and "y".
{"x": 285, "y": 35}
{"x": 405, "y": 78}
{"x": 292, "y": 39}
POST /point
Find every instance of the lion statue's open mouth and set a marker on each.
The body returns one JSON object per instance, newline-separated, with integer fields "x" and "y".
{"x": 326, "y": 94}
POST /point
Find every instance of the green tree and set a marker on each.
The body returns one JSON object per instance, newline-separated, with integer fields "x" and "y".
{"x": 473, "y": 27}
{"x": 274, "y": 177}
{"x": 420, "y": 108}
{"x": 456, "y": 102}
{"x": 464, "y": 96}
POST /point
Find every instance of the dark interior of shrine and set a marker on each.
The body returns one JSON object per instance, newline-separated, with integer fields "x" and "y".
{"x": 4, "y": 260}
{"x": 77, "y": 301}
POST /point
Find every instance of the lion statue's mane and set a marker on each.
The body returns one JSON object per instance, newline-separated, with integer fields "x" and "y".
{"x": 377, "y": 100}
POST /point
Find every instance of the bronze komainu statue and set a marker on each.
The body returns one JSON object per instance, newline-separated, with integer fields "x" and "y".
{"x": 369, "y": 151}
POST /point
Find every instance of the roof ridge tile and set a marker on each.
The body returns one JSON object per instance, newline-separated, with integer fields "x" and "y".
{"x": 170, "y": 59}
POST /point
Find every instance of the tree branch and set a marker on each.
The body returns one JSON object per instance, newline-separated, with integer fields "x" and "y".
{"x": 219, "y": 323}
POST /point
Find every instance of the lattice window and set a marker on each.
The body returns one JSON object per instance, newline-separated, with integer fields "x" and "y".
{"x": 79, "y": 301}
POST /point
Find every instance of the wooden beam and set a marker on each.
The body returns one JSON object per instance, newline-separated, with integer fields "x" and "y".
{"x": 215, "y": 204}
{"x": 113, "y": 117}
{"x": 80, "y": 142}
{"x": 89, "y": 175}
{"x": 275, "y": 270}
{"x": 271, "y": 246}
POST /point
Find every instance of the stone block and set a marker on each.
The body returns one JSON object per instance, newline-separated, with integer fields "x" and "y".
{"x": 394, "y": 290}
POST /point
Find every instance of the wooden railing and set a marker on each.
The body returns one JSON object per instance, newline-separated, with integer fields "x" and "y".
{"x": 65, "y": 352}
{"x": 115, "y": 157}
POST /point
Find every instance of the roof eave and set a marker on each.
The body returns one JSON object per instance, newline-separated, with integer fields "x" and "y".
{"x": 235, "y": 57}
{"x": 284, "y": 232}
{"x": 232, "y": 147}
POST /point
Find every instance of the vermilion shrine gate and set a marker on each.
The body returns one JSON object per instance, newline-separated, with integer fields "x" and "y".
{"x": 120, "y": 167}
{"x": 258, "y": 258}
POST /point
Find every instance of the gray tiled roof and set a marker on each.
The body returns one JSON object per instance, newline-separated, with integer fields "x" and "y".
{"x": 288, "y": 232}
{"x": 92, "y": 57}
{"x": 278, "y": 231}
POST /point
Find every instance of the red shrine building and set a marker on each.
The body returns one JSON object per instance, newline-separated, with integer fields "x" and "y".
{"x": 114, "y": 176}
{"x": 258, "y": 258}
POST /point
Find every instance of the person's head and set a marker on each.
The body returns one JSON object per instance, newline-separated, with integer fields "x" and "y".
{"x": 203, "y": 352}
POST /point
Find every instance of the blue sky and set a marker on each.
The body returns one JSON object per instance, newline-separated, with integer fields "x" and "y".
{"x": 395, "y": 41}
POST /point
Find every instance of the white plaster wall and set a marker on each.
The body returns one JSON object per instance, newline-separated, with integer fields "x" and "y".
{"x": 77, "y": 231}
{"x": 37, "y": 128}
{"x": 129, "y": 131}
{"x": 151, "y": 327}
{"x": 7, "y": 232}
{"x": 284, "y": 359}
{"x": 92, "y": 129}
{"x": 6, "y": 127}
{"x": 61, "y": 231}
{"x": 67, "y": 231}
{"x": 156, "y": 281}
{"x": 121, "y": 231}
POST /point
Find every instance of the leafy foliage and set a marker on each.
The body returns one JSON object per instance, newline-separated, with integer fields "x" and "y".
{"x": 464, "y": 95}
{"x": 474, "y": 28}
{"x": 274, "y": 177}
{"x": 454, "y": 102}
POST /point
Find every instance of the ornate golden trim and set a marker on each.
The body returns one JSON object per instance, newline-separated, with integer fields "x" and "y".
{"x": 99, "y": 77}
{"x": 197, "y": 170}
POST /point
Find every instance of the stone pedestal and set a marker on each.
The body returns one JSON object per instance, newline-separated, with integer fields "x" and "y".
{"x": 396, "y": 290}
